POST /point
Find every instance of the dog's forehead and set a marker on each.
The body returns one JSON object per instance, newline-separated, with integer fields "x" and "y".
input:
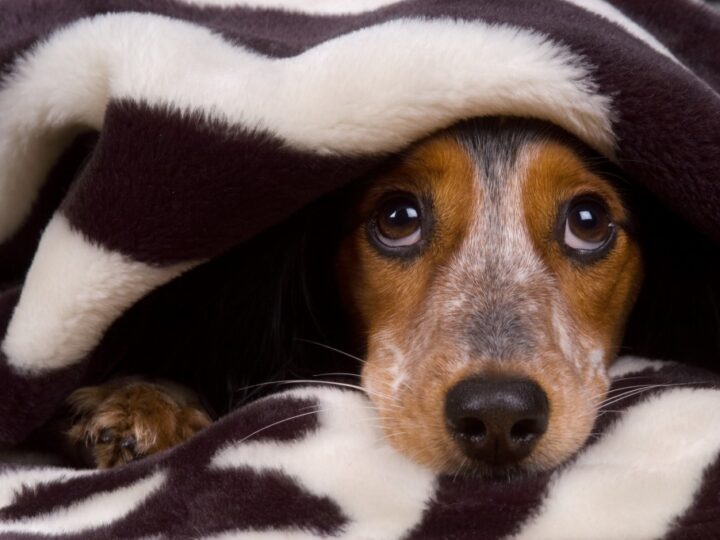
{"x": 497, "y": 236}
{"x": 497, "y": 279}
{"x": 496, "y": 151}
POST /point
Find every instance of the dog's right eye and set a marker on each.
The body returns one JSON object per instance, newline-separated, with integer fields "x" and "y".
{"x": 398, "y": 221}
{"x": 588, "y": 225}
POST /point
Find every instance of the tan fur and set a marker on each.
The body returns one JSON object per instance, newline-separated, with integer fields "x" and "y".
{"x": 407, "y": 309}
{"x": 439, "y": 171}
{"x": 413, "y": 314}
{"x": 148, "y": 417}
{"x": 601, "y": 296}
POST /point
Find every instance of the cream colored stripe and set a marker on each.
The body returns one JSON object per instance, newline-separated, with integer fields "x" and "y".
{"x": 373, "y": 90}
{"x": 100, "y": 509}
{"x": 314, "y": 7}
{"x": 639, "y": 477}
{"x": 73, "y": 291}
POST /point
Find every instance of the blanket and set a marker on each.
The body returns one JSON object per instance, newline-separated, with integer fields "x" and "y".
{"x": 310, "y": 463}
{"x": 143, "y": 139}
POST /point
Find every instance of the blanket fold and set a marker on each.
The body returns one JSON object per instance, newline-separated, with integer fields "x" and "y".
{"x": 141, "y": 139}
{"x": 310, "y": 463}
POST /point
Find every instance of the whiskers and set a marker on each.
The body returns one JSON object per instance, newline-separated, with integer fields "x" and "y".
{"x": 614, "y": 396}
{"x": 381, "y": 425}
{"x": 382, "y": 418}
{"x": 328, "y": 347}
{"x": 388, "y": 400}
{"x": 250, "y": 392}
{"x": 617, "y": 395}
{"x": 338, "y": 374}
{"x": 277, "y": 423}
{"x": 371, "y": 422}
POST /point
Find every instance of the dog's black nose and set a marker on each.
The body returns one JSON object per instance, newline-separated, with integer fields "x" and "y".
{"x": 496, "y": 420}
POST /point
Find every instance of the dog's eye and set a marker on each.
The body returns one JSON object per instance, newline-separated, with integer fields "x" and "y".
{"x": 398, "y": 222}
{"x": 588, "y": 226}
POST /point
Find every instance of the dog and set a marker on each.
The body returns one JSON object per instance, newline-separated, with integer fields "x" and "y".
{"x": 485, "y": 277}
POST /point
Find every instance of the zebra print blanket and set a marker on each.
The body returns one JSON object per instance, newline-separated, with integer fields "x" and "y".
{"x": 310, "y": 463}
{"x": 220, "y": 118}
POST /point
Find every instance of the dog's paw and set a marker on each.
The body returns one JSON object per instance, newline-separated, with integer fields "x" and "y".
{"x": 129, "y": 418}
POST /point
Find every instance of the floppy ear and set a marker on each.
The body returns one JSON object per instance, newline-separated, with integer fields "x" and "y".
{"x": 677, "y": 315}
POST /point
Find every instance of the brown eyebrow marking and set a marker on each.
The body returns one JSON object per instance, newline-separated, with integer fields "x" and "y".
{"x": 492, "y": 294}
{"x": 602, "y": 294}
{"x": 441, "y": 169}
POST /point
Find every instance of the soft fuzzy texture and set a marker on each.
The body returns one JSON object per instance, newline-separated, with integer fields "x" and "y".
{"x": 311, "y": 463}
{"x": 220, "y": 118}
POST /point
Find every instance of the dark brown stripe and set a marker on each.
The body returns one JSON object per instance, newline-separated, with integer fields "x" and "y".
{"x": 164, "y": 188}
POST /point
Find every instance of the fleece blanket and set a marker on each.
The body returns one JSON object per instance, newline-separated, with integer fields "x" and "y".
{"x": 311, "y": 463}
{"x": 214, "y": 120}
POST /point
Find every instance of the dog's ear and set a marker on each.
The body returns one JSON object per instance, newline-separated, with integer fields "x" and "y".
{"x": 677, "y": 315}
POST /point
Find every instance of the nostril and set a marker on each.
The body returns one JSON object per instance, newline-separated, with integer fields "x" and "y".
{"x": 527, "y": 429}
{"x": 471, "y": 428}
{"x": 498, "y": 421}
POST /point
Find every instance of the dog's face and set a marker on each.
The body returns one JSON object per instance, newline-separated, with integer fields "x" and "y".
{"x": 491, "y": 272}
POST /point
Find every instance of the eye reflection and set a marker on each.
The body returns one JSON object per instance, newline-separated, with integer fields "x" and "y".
{"x": 398, "y": 221}
{"x": 588, "y": 226}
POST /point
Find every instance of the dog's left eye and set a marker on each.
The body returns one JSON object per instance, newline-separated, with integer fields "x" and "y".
{"x": 398, "y": 222}
{"x": 588, "y": 226}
